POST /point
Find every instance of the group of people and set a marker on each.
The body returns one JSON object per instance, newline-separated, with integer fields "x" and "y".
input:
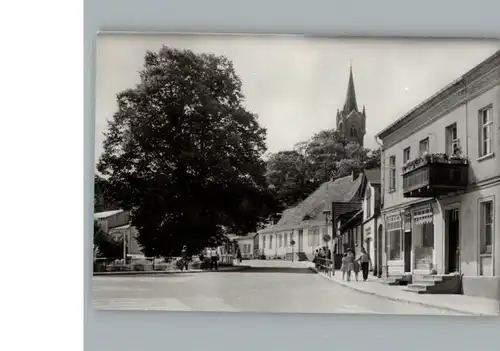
{"x": 322, "y": 258}
{"x": 351, "y": 264}
{"x": 210, "y": 258}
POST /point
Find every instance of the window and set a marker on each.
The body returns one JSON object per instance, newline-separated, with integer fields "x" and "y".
{"x": 354, "y": 132}
{"x": 485, "y": 132}
{"x": 423, "y": 146}
{"x": 452, "y": 140}
{"x": 263, "y": 242}
{"x": 316, "y": 237}
{"x": 270, "y": 241}
{"x": 486, "y": 230}
{"x": 394, "y": 229}
{"x": 368, "y": 202}
{"x": 392, "y": 173}
{"x": 406, "y": 155}
{"x": 286, "y": 240}
{"x": 280, "y": 240}
{"x": 291, "y": 237}
{"x": 428, "y": 234}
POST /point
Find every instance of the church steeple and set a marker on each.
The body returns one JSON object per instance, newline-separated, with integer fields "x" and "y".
{"x": 350, "y": 100}
{"x": 350, "y": 121}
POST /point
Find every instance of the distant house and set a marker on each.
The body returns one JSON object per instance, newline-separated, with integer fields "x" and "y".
{"x": 246, "y": 245}
{"x": 372, "y": 222}
{"x": 307, "y": 224}
{"x": 116, "y": 223}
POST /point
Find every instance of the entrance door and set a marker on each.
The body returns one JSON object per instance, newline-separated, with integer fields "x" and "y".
{"x": 453, "y": 241}
{"x": 380, "y": 250}
{"x": 301, "y": 240}
{"x": 407, "y": 252}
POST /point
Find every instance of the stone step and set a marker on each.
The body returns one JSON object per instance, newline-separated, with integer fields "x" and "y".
{"x": 391, "y": 280}
{"x": 417, "y": 289}
{"x": 428, "y": 279}
{"x": 423, "y": 284}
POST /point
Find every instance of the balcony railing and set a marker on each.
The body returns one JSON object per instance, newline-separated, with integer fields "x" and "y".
{"x": 435, "y": 175}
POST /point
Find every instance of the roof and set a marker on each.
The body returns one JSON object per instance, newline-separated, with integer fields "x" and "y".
{"x": 340, "y": 190}
{"x": 106, "y": 214}
{"x": 355, "y": 219}
{"x": 373, "y": 175}
{"x": 126, "y": 226}
{"x": 350, "y": 100}
{"x": 477, "y": 71}
{"x": 246, "y": 237}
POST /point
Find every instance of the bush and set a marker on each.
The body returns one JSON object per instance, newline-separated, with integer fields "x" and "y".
{"x": 196, "y": 265}
{"x": 138, "y": 267}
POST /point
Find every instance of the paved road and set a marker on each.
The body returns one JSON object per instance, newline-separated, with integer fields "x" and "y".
{"x": 268, "y": 286}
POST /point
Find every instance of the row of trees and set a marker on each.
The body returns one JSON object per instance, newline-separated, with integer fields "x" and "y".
{"x": 296, "y": 173}
{"x": 186, "y": 158}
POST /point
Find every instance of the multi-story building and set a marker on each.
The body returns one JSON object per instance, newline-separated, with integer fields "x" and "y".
{"x": 441, "y": 187}
{"x": 372, "y": 227}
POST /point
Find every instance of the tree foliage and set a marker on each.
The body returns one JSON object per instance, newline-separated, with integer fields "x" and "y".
{"x": 102, "y": 200}
{"x": 183, "y": 154}
{"x": 294, "y": 174}
{"x": 107, "y": 246}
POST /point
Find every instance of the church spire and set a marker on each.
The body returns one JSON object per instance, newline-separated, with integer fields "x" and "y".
{"x": 350, "y": 100}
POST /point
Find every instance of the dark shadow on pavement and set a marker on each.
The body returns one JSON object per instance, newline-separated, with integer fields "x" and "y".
{"x": 292, "y": 270}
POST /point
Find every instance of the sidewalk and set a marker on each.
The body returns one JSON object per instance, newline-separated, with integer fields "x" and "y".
{"x": 475, "y": 306}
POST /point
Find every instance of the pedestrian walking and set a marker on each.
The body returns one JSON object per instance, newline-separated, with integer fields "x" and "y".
{"x": 238, "y": 255}
{"x": 343, "y": 268}
{"x": 316, "y": 258}
{"x": 365, "y": 262}
{"x": 184, "y": 263}
{"x": 356, "y": 268}
{"x": 347, "y": 264}
{"x": 214, "y": 257}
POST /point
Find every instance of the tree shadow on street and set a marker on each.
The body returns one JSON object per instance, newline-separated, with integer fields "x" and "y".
{"x": 291, "y": 270}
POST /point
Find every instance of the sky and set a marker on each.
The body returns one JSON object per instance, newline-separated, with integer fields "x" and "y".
{"x": 296, "y": 84}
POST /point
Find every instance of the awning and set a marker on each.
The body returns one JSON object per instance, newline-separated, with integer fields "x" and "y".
{"x": 423, "y": 215}
{"x": 394, "y": 222}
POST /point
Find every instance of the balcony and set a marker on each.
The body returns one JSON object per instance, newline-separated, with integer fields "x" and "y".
{"x": 435, "y": 175}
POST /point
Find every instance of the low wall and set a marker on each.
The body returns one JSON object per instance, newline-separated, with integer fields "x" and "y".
{"x": 488, "y": 287}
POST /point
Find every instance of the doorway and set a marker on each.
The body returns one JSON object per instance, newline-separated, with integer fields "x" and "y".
{"x": 380, "y": 250}
{"x": 453, "y": 234}
{"x": 301, "y": 240}
{"x": 407, "y": 251}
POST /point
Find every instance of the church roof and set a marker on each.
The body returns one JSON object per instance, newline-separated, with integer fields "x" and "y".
{"x": 350, "y": 100}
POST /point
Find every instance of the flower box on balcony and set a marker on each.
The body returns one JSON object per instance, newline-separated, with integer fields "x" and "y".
{"x": 428, "y": 158}
{"x": 434, "y": 175}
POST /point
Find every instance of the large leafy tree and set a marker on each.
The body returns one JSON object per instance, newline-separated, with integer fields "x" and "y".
{"x": 183, "y": 154}
{"x": 289, "y": 174}
{"x": 102, "y": 200}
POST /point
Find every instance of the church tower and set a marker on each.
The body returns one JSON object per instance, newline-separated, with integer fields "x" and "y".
{"x": 350, "y": 121}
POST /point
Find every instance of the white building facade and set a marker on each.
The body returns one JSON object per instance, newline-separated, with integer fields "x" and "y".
{"x": 441, "y": 184}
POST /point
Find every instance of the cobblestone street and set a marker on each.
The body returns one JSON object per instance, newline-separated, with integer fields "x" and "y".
{"x": 267, "y": 286}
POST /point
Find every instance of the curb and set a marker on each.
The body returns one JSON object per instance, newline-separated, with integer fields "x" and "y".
{"x": 143, "y": 273}
{"x": 424, "y": 304}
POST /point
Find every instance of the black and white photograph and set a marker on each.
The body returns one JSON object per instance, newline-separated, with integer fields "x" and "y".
{"x": 294, "y": 174}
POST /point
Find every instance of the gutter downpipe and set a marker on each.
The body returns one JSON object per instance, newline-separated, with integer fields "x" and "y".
{"x": 382, "y": 195}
